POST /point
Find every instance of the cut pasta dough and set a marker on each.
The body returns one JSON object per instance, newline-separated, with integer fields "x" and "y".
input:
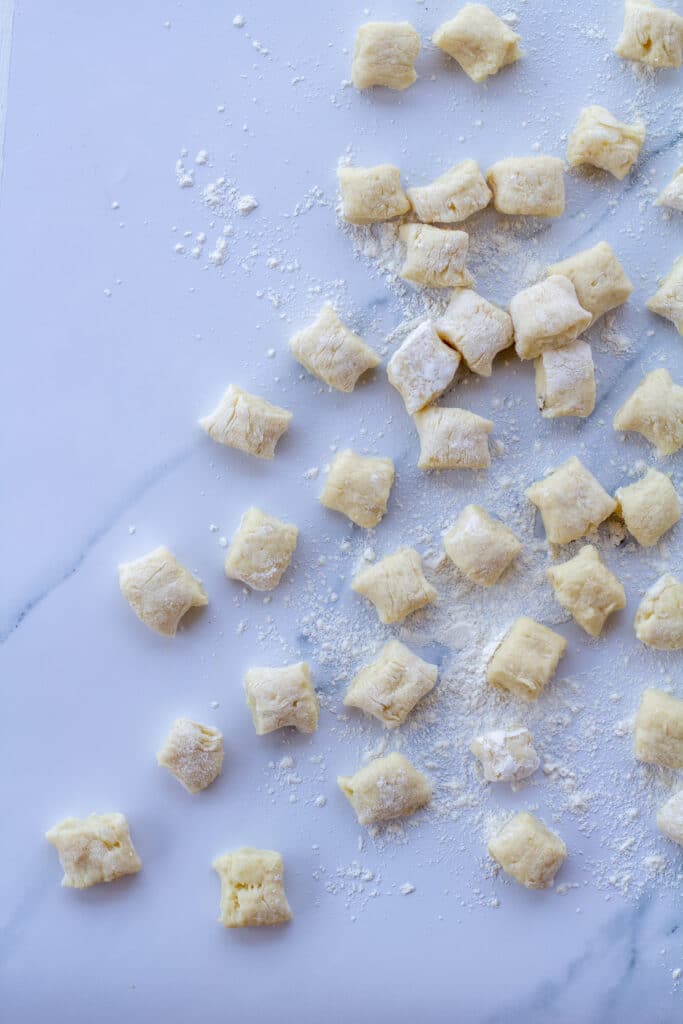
{"x": 600, "y": 140}
{"x": 571, "y": 502}
{"x": 528, "y": 851}
{"x": 389, "y": 787}
{"x": 667, "y": 301}
{"x": 651, "y": 35}
{"x": 252, "y": 888}
{"x": 479, "y": 41}
{"x": 396, "y": 585}
{"x": 649, "y": 507}
{"x": 280, "y": 698}
{"x": 526, "y": 660}
{"x": 506, "y": 755}
{"x": 358, "y": 486}
{"x": 160, "y": 590}
{"x": 565, "y": 381}
{"x": 531, "y": 186}
{"x": 246, "y": 422}
{"x": 435, "y": 257}
{"x": 587, "y": 589}
{"x": 672, "y": 194}
{"x": 670, "y": 818}
{"x": 371, "y": 194}
{"x": 385, "y": 54}
{"x": 659, "y": 619}
{"x": 333, "y": 353}
{"x": 261, "y": 550}
{"x": 452, "y": 197}
{"x": 94, "y": 849}
{"x": 452, "y": 439}
{"x": 423, "y": 367}
{"x": 193, "y": 753}
{"x": 482, "y": 548}
{"x": 598, "y": 277}
{"x": 476, "y": 329}
{"x": 655, "y": 410}
{"x": 392, "y": 685}
{"x": 658, "y": 733}
{"x": 547, "y": 315}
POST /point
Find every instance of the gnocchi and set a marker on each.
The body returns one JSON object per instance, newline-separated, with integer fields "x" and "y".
{"x": 479, "y": 41}
{"x": 160, "y": 590}
{"x": 649, "y": 507}
{"x": 598, "y": 277}
{"x": 94, "y": 849}
{"x": 506, "y": 755}
{"x": 193, "y": 753}
{"x": 526, "y": 659}
{"x": 602, "y": 141}
{"x": 385, "y": 54}
{"x": 528, "y": 851}
{"x": 453, "y": 196}
{"x": 435, "y": 257}
{"x": 651, "y": 35}
{"x": 358, "y": 487}
{"x": 587, "y": 589}
{"x": 670, "y": 818}
{"x": 571, "y": 502}
{"x": 659, "y": 619}
{"x": 392, "y": 685}
{"x": 452, "y": 439}
{"x": 252, "y": 888}
{"x": 655, "y": 410}
{"x": 476, "y": 329}
{"x": 261, "y": 550}
{"x": 672, "y": 194}
{"x": 565, "y": 381}
{"x": 247, "y": 422}
{"x": 482, "y": 548}
{"x": 658, "y": 733}
{"x": 389, "y": 787}
{"x": 667, "y": 301}
{"x": 371, "y": 194}
{"x": 396, "y": 585}
{"x": 422, "y": 368}
{"x": 530, "y": 186}
{"x": 547, "y": 315}
{"x": 333, "y": 353}
{"x": 281, "y": 698}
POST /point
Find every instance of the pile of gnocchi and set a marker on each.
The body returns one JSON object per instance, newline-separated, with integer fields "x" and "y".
{"x": 545, "y": 323}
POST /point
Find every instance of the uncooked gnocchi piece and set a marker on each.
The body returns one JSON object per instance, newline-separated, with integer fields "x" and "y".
{"x": 600, "y": 140}
{"x": 547, "y": 315}
{"x": 571, "y": 502}
{"x": 528, "y": 851}
{"x": 396, "y": 585}
{"x": 670, "y": 818}
{"x": 252, "y": 888}
{"x": 160, "y": 590}
{"x": 358, "y": 486}
{"x": 651, "y": 35}
{"x": 672, "y": 194}
{"x": 282, "y": 697}
{"x": 587, "y": 589}
{"x": 658, "y": 733}
{"x": 371, "y": 194}
{"x": 506, "y": 755}
{"x": 385, "y": 54}
{"x": 452, "y": 439}
{"x": 435, "y": 257}
{"x": 479, "y": 41}
{"x": 453, "y": 196}
{"x": 247, "y": 422}
{"x": 655, "y": 410}
{"x": 565, "y": 381}
{"x": 193, "y": 753}
{"x": 482, "y": 548}
{"x": 667, "y": 301}
{"x": 649, "y": 507}
{"x": 392, "y": 685}
{"x": 331, "y": 352}
{"x": 94, "y": 849}
{"x": 423, "y": 367}
{"x": 598, "y": 277}
{"x": 526, "y": 659}
{"x": 389, "y": 787}
{"x": 475, "y": 328}
{"x": 261, "y": 550}
{"x": 659, "y": 619}
{"x": 530, "y": 186}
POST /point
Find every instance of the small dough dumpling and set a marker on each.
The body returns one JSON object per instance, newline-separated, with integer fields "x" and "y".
{"x": 651, "y": 35}
{"x": 385, "y": 54}
{"x": 252, "y": 888}
{"x": 389, "y": 787}
{"x": 672, "y": 194}
{"x": 193, "y": 753}
{"x": 422, "y": 368}
{"x": 475, "y": 328}
{"x": 658, "y": 733}
{"x": 281, "y": 698}
{"x": 94, "y": 849}
{"x": 587, "y": 589}
{"x": 659, "y": 619}
{"x": 261, "y": 550}
{"x": 392, "y": 685}
{"x": 332, "y": 352}
{"x": 547, "y": 315}
{"x": 600, "y": 140}
{"x": 247, "y": 422}
{"x": 571, "y": 502}
{"x": 452, "y": 439}
{"x": 649, "y": 507}
{"x": 565, "y": 381}
{"x": 670, "y": 818}
{"x": 506, "y": 755}
{"x": 453, "y": 196}
{"x": 526, "y": 660}
{"x": 667, "y": 301}
{"x": 655, "y": 410}
{"x": 598, "y": 277}
{"x": 479, "y": 41}
{"x": 481, "y": 547}
{"x": 396, "y": 585}
{"x": 160, "y": 590}
{"x": 528, "y": 851}
{"x": 358, "y": 486}
{"x": 435, "y": 257}
{"x": 372, "y": 194}
{"x": 528, "y": 186}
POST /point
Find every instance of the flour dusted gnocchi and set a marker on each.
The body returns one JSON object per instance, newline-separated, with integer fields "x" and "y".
{"x": 667, "y": 301}
{"x": 475, "y": 328}
{"x": 452, "y": 439}
{"x": 531, "y": 186}
{"x": 547, "y": 315}
{"x": 670, "y": 818}
{"x": 261, "y": 550}
{"x": 435, "y": 257}
{"x": 482, "y": 548}
{"x": 385, "y": 54}
{"x": 389, "y": 787}
{"x": 649, "y": 507}
{"x": 655, "y": 410}
{"x": 247, "y": 422}
{"x": 358, "y": 487}
{"x": 506, "y": 755}
{"x": 526, "y": 660}
{"x": 571, "y": 502}
{"x": 672, "y": 194}
{"x": 193, "y": 753}
{"x": 94, "y": 849}
{"x": 587, "y": 589}
{"x": 423, "y": 367}
{"x": 452, "y": 197}
{"x": 371, "y": 194}
{"x": 480, "y": 41}
{"x": 659, "y": 619}
{"x": 392, "y": 685}
{"x": 252, "y": 888}
{"x": 160, "y": 590}
{"x": 598, "y": 278}
{"x": 528, "y": 851}
{"x": 331, "y": 352}
{"x": 565, "y": 381}
{"x": 651, "y": 35}
{"x": 658, "y": 733}
{"x": 600, "y": 140}
{"x": 279, "y": 698}
{"x": 396, "y": 585}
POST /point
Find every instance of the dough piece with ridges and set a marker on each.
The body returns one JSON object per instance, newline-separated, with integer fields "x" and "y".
{"x": 358, "y": 486}
{"x": 651, "y": 35}
{"x": 160, "y": 590}
{"x": 332, "y": 352}
{"x": 672, "y": 194}
{"x": 396, "y": 585}
{"x": 94, "y": 849}
{"x": 435, "y": 257}
{"x": 659, "y": 619}
{"x": 252, "y": 888}
{"x": 389, "y": 787}
{"x": 670, "y": 818}
{"x": 506, "y": 755}
{"x": 479, "y": 41}
{"x": 571, "y": 502}
{"x": 655, "y": 410}
{"x": 598, "y": 277}
{"x": 247, "y": 422}
{"x": 649, "y": 507}
{"x": 385, "y": 54}
{"x": 565, "y": 381}
{"x": 528, "y": 851}
{"x": 601, "y": 140}
{"x": 529, "y": 186}
{"x": 526, "y": 659}
{"x": 587, "y": 589}
{"x": 476, "y": 329}
{"x": 193, "y": 753}
{"x": 422, "y": 368}
{"x": 667, "y": 301}
{"x": 261, "y": 550}
{"x": 372, "y": 194}
{"x": 658, "y": 733}
{"x": 281, "y": 698}
{"x": 547, "y": 315}
{"x": 392, "y": 685}
{"x": 452, "y": 438}
{"x": 481, "y": 547}
{"x": 453, "y": 196}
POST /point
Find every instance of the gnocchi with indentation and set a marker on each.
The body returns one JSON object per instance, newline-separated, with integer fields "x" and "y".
{"x": 655, "y": 410}
{"x": 482, "y": 548}
{"x": 528, "y": 851}
{"x": 587, "y": 589}
{"x": 649, "y": 507}
{"x": 94, "y": 849}
{"x": 506, "y": 755}
{"x": 547, "y": 315}
{"x": 672, "y": 194}
{"x": 571, "y": 502}
{"x": 667, "y": 301}
{"x": 261, "y": 550}
{"x": 658, "y": 733}
{"x": 358, "y": 486}
{"x": 530, "y": 186}
{"x": 599, "y": 139}
{"x": 392, "y": 685}
{"x": 332, "y": 352}
{"x": 453, "y": 196}
{"x": 193, "y": 753}
{"x": 385, "y": 54}
{"x": 422, "y": 368}
{"x": 476, "y": 329}
{"x": 247, "y": 422}
{"x": 598, "y": 277}
{"x": 565, "y": 381}
{"x": 435, "y": 257}
{"x": 651, "y": 35}
{"x": 252, "y": 888}
{"x": 479, "y": 41}
{"x": 389, "y": 787}
{"x": 659, "y": 619}
{"x": 160, "y": 590}
{"x": 452, "y": 439}
{"x": 526, "y": 659}
{"x": 371, "y": 194}
{"x": 281, "y": 698}
{"x": 396, "y": 585}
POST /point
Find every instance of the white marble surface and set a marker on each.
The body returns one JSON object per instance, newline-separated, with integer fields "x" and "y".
{"x": 101, "y": 395}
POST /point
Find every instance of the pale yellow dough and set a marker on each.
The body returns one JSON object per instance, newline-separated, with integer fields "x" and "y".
{"x": 94, "y": 849}
{"x": 528, "y": 851}
{"x": 598, "y": 277}
{"x": 252, "y": 888}
{"x": 526, "y": 660}
{"x": 392, "y": 685}
{"x": 359, "y": 487}
{"x": 396, "y": 585}
{"x": 571, "y": 502}
{"x": 160, "y": 590}
{"x": 651, "y": 35}
{"x": 261, "y": 550}
{"x": 193, "y": 753}
{"x": 385, "y": 54}
{"x": 547, "y": 315}
{"x": 655, "y": 410}
{"x": 475, "y": 328}
{"x": 506, "y": 755}
{"x": 600, "y": 140}
{"x": 332, "y": 352}
{"x": 672, "y": 194}
{"x": 587, "y": 589}
{"x": 453, "y": 196}
{"x": 282, "y": 697}
{"x": 422, "y": 368}
{"x": 649, "y": 507}
{"x": 481, "y": 547}
{"x": 435, "y": 257}
{"x": 371, "y": 194}
{"x": 667, "y": 301}
{"x": 659, "y": 619}
{"x": 670, "y": 818}
{"x": 658, "y": 734}
{"x": 479, "y": 41}
{"x": 531, "y": 186}
{"x": 389, "y": 787}
{"x": 565, "y": 381}
{"x": 452, "y": 438}
{"x": 247, "y": 422}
